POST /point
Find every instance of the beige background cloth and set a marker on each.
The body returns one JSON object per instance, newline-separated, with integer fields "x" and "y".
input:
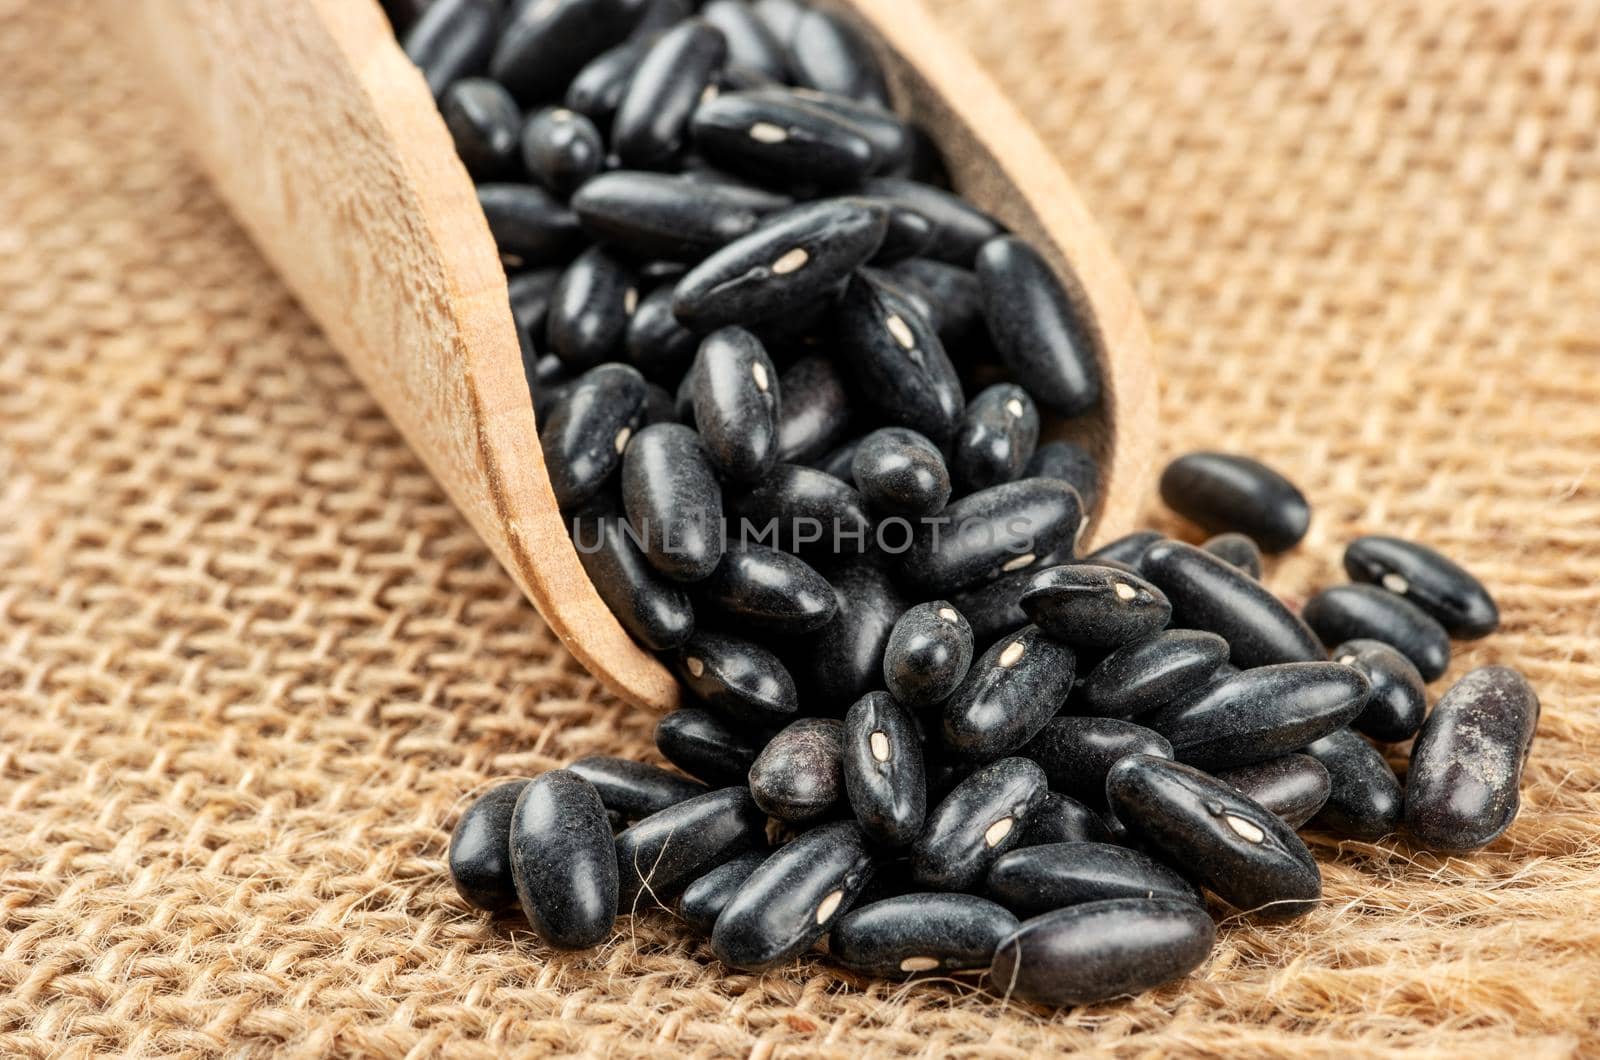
{"x": 252, "y": 662}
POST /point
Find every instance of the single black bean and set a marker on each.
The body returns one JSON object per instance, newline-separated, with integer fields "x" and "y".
{"x": 952, "y": 295}
{"x": 485, "y": 124}
{"x": 665, "y": 852}
{"x": 1367, "y": 612}
{"x": 1364, "y": 801}
{"x": 1209, "y": 593}
{"x": 1223, "y": 491}
{"x": 897, "y": 360}
{"x": 673, "y": 500}
{"x": 804, "y": 511}
{"x": 996, "y": 437}
{"x": 838, "y": 462}
{"x": 589, "y": 309}
{"x": 780, "y": 17}
{"x": 585, "y": 436}
{"x": 1439, "y": 586}
{"x": 901, "y": 472}
{"x": 1010, "y": 693}
{"x": 1076, "y": 753}
{"x": 1239, "y": 550}
{"x": 597, "y": 90}
{"x": 654, "y": 610}
{"x": 892, "y": 139}
{"x": 1147, "y": 674}
{"x": 633, "y": 789}
{"x": 908, "y": 235}
{"x": 564, "y": 861}
{"x": 651, "y": 127}
{"x": 991, "y": 608}
{"x": 1062, "y": 819}
{"x": 750, "y": 43}
{"x": 983, "y": 817}
{"x": 1100, "y": 607}
{"x": 1037, "y": 879}
{"x": 703, "y": 745}
{"x": 1462, "y": 791}
{"x": 1044, "y": 333}
{"x": 764, "y": 589}
{"x": 799, "y": 775}
{"x": 778, "y": 140}
{"x": 792, "y": 258}
{"x": 549, "y": 384}
{"x": 815, "y": 411}
{"x": 1004, "y": 528}
{"x": 660, "y": 347}
{"x": 743, "y": 681}
{"x": 1293, "y": 786}
{"x": 530, "y": 294}
{"x": 928, "y": 654}
{"x": 705, "y": 899}
{"x": 542, "y": 46}
{"x": 1100, "y": 950}
{"x": 480, "y": 849}
{"x": 920, "y": 933}
{"x": 960, "y": 227}
{"x": 828, "y": 54}
{"x": 659, "y": 406}
{"x": 1129, "y": 548}
{"x": 1398, "y": 702}
{"x": 735, "y": 392}
{"x": 452, "y": 39}
{"x": 1072, "y": 464}
{"x": 529, "y": 225}
{"x": 666, "y": 217}
{"x": 883, "y": 770}
{"x": 846, "y": 655}
{"x": 1261, "y": 713}
{"x": 1232, "y": 845}
{"x": 793, "y": 898}
{"x": 561, "y": 149}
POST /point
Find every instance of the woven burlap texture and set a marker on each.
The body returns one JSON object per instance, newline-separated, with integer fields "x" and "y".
{"x": 252, "y": 663}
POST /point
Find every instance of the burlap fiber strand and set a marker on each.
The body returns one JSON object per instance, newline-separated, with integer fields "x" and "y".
{"x": 252, "y": 663}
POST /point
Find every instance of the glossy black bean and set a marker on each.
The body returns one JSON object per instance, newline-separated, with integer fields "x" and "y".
{"x": 1226, "y": 492}
{"x": 920, "y": 933}
{"x": 563, "y": 861}
{"x": 780, "y": 17}
{"x": 750, "y": 42}
{"x": 1076, "y": 753}
{"x": 838, "y": 462}
{"x": 763, "y": 589}
{"x": 651, "y": 127}
{"x": 530, "y": 294}
{"x": 1062, "y": 819}
{"x": 662, "y": 854}
{"x": 804, "y": 511}
{"x": 665, "y": 217}
{"x": 901, "y": 472}
{"x": 1209, "y": 593}
{"x": 892, "y": 139}
{"x": 703, "y": 745}
{"x": 793, "y": 898}
{"x": 659, "y": 406}
{"x": 656, "y": 344}
{"x": 779, "y": 140}
{"x": 589, "y": 309}
{"x": 828, "y": 54}
{"x": 996, "y": 437}
{"x": 452, "y": 39}
{"x": 984, "y": 816}
{"x": 1239, "y": 550}
{"x": 743, "y": 681}
{"x": 1072, "y": 464}
{"x": 484, "y": 123}
{"x": 1147, "y": 674}
{"x": 705, "y": 899}
{"x": 561, "y": 149}
{"x": 951, "y": 295}
{"x": 1100, "y": 607}
{"x": 909, "y": 234}
{"x": 1395, "y": 709}
{"x": 1232, "y": 845}
{"x": 597, "y": 90}
{"x": 928, "y": 654}
{"x": 1037, "y": 879}
{"x": 530, "y": 226}
{"x": 735, "y": 394}
{"x": 1129, "y": 549}
{"x": 883, "y": 770}
{"x": 815, "y": 411}
{"x": 549, "y": 384}
{"x": 542, "y": 46}
{"x": 585, "y": 436}
{"x": 1100, "y": 950}
{"x": 1261, "y": 713}
{"x": 960, "y": 227}
{"x": 898, "y": 363}
{"x": 480, "y": 849}
{"x": 1367, "y": 612}
{"x": 655, "y": 611}
{"x": 1043, "y": 332}
{"x": 1005, "y": 528}
{"x": 1010, "y": 693}
{"x": 1364, "y": 800}
{"x": 673, "y": 500}
{"x": 1462, "y": 791}
{"x": 1439, "y": 586}
{"x": 846, "y": 655}
{"x": 1293, "y": 786}
{"x": 799, "y": 775}
{"x": 632, "y": 789}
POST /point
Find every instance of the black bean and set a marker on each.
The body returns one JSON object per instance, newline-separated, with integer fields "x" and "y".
{"x": 1062, "y": 819}
{"x": 673, "y": 500}
{"x": 991, "y": 608}
{"x": 564, "y": 861}
{"x": 703, "y": 745}
{"x": 1099, "y": 950}
{"x": 750, "y": 43}
{"x": 1293, "y": 786}
{"x": 1223, "y": 491}
{"x": 805, "y": 511}
{"x": 901, "y": 472}
{"x": 1072, "y": 464}
{"x": 897, "y": 360}
{"x": 1010, "y": 693}
{"x": 549, "y": 384}
{"x": 1129, "y": 549}
{"x": 1076, "y": 753}
{"x": 1044, "y": 334}
{"x": 705, "y": 899}
{"x": 585, "y": 436}
{"x": 892, "y": 139}
{"x": 928, "y": 654}
{"x": 983, "y": 817}
{"x": 589, "y": 309}
{"x": 829, "y": 55}
{"x": 480, "y": 849}
{"x": 1004, "y": 528}
{"x": 908, "y": 235}
{"x": 1232, "y": 845}
{"x": 1439, "y": 586}
{"x": 883, "y": 770}
{"x": 633, "y": 790}
{"x": 1365, "y": 801}
{"x": 1466, "y": 765}
{"x": 1261, "y": 713}
{"x": 651, "y": 127}
{"x": 920, "y": 933}
{"x": 735, "y": 393}
{"x": 655, "y": 611}
{"x": 815, "y": 411}
{"x": 561, "y": 149}
{"x": 485, "y": 124}
{"x": 1239, "y": 550}
{"x": 665, "y": 217}
{"x": 1359, "y": 611}
{"x": 529, "y": 225}
{"x": 1398, "y": 702}
{"x": 951, "y": 295}
{"x": 1209, "y": 593}
{"x": 661, "y": 15}
{"x": 960, "y": 227}
{"x": 1147, "y": 674}
{"x": 780, "y": 17}
{"x": 1037, "y": 879}
{"x": 799, "y": 775}
{"x": 764, "y": 589}
{"x": 543, "y": 45}
{"x": 530, "y": 294}
{"x": 792, "y": 258}
{"x": 452, "y": 39}
{"x": 662, "y": 854}
{"x": 597, "y": 90}
{"x": 779, "y": 140}
{"x": 1100, "y": 607}
{"x": 743, "y": 681}
{"x": 660, "y": 347}
{"x": 846, "y": 655}
{"x": 995, "y": 439}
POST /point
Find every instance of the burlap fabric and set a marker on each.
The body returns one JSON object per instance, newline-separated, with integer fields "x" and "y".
{"x": 252, "y": 662}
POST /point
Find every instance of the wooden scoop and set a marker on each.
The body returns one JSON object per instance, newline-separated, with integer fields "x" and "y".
{"x": 326, "y": 143}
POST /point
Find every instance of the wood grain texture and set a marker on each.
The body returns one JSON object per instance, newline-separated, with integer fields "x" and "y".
{"x": 326, "y": 143}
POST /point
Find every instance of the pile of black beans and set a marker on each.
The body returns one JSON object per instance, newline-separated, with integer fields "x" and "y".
{"x": 926, "y": 729}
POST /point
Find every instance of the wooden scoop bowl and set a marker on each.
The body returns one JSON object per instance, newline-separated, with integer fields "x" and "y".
{"x": 326, "y": 143}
